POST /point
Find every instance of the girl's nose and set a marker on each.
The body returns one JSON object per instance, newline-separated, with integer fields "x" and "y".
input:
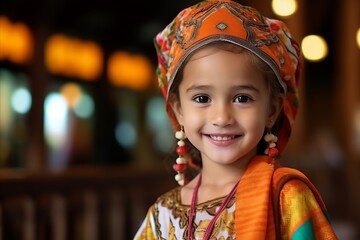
{"x": 222, "y": 115}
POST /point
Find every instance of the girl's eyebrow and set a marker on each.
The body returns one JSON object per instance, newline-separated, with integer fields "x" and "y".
{"x": 198, "y": 87}
{"x": 247, "y": 87}
{"x": 235, "y": 88}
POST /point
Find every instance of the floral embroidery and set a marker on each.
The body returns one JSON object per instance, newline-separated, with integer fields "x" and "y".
{"x": 169, "y": 206}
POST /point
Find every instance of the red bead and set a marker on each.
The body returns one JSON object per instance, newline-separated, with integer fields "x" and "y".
{"x": 273, "y": 152}
{"x": 274, "y": 27}
{"x": 181, "y": 150}
{"x": 179, "y": 167}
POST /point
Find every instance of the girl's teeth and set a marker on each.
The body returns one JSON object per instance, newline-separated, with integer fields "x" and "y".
{"x": 222, "y": 138}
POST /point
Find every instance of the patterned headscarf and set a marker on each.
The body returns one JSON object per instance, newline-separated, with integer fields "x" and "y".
{"x": 227, "y": 21}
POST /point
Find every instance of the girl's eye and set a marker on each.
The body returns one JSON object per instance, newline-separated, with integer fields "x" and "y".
{"x": 201, "y": 99}
{"x": 242, "y": 99}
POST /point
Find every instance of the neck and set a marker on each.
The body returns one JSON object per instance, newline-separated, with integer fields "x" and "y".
{"x": 222, "y": 174}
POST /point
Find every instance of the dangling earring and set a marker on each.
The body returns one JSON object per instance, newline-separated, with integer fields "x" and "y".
{"x": 181, "y": 162}
{"x": 271, "y": 149}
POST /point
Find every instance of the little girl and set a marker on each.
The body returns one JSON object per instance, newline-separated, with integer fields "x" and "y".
{"x": 229, "y": 76}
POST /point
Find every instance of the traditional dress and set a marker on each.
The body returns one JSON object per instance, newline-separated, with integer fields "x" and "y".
{"x": 296, "y": 208}
{"x": 168, "y": 218}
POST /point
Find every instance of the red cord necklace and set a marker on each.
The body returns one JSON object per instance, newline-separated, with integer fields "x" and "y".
{"x": 210, "y": 227}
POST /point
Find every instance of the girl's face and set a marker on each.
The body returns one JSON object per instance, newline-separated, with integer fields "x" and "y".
{"x": 224, "y": 105}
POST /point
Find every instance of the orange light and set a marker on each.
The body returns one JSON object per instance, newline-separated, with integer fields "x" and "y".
{"x": 130, "y": 70}
{"x": 5, "y": 29}
{"x": 89, "y": 64}
{"x": 73, "y": 57}
{"x": 16, "y": 41}
{"x": 72, "y": 93}
{"x": 55, "y": 53}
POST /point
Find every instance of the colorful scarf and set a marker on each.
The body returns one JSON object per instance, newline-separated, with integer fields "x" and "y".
{"x": 265, "y": 192}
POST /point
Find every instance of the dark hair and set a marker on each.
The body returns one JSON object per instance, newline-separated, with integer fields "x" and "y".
{"x": 273, "y": 85}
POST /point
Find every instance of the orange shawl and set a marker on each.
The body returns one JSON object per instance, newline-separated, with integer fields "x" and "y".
{"x": 258, "y": 198}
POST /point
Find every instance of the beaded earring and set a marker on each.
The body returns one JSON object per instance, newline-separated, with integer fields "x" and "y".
{"x": 181, "y": 162}
{"x": 271, "y": 149}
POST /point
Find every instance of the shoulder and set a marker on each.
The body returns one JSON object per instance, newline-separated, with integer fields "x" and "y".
{"x": 296, "y": 192}
{"x": 169, "y": 205}
{"x": 290, "y": 183}
{"x": 170, "y": 198}
{"x": 283, "y": 174}
{"x": 303, "y": 211}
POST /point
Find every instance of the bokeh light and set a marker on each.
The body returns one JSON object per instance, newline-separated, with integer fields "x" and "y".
{"x": 7, "y": 84}
{"x": 85, "y": 107}
{"x": 130, "y": 70}
{"x": 21, "y": 100}
{"x": 284, "y": 8}
{"x": 125, "y": 134}
{"x": 16, "y": 41}
{"x": 158, "y": 123}
{"x": 72, "y": 93}
{"x": 358, "y": 37}
{"x": 314, "y": 48}
{"x": 73, "y": 57}
{"x": 55, "y": 119}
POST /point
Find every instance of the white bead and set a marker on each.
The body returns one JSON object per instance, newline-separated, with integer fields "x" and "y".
{"x": 181, "y": 160}
{"x": 179, "y": 177}
{"x": 181, "y": 182}
{"x": 270, "y": 137}
{"x": 181, "y": 143}
{"x": 180, "y": 135}
{"x": 267, "y": 137}
{"x": 271, "y": 145}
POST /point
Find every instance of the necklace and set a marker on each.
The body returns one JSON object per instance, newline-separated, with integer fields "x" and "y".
{"x": 210, "y": 227}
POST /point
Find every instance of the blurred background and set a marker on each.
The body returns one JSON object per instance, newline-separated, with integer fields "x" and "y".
{"x": 85, "y": 142}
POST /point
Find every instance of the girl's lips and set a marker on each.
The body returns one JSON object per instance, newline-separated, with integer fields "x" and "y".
{"x": 223, "y": 140}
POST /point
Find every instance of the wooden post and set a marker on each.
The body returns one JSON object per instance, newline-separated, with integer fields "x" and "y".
{"x": 347, "y": 94}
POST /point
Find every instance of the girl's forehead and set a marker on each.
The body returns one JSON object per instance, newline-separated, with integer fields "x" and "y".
{"x": 221, "y": 68}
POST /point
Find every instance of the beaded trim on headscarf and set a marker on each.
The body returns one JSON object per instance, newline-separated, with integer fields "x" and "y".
{"x": 228, "y": 21}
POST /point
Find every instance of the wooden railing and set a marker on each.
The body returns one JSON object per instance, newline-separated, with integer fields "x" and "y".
{"x": 80, "y": 204}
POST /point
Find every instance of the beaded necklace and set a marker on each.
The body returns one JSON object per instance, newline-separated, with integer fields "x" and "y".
{"x": 210, "y": 227}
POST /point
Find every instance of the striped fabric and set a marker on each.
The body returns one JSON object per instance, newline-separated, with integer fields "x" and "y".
{"x": 285, "y": 193}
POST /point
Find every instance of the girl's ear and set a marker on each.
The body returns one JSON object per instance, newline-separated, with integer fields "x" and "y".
{"x": 176, "y": 107}
{"x": 276, "y": 106}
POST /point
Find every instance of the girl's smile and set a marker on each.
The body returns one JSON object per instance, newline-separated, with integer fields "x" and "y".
{"x": 223, "y": 140}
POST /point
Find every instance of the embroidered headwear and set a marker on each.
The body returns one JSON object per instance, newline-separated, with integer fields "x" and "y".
{"x": 227, "y": 21}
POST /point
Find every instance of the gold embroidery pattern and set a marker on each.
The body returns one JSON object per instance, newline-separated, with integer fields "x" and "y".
{"x": 172, "y": 201}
